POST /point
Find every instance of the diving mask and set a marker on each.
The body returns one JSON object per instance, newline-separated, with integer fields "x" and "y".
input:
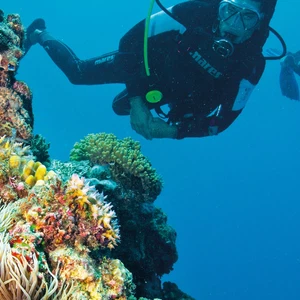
{"x": 238, "y": 20}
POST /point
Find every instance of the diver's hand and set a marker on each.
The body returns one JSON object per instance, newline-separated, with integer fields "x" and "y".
{"x": 140, "y": 117}
{"x": 160, "y": 129}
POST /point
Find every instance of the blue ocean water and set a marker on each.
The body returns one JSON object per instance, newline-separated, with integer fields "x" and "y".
{"x": 233, "y": 199}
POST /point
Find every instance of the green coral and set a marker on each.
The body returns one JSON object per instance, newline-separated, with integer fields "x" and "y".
{"x": 126, "y": 162}
{"x": 40, "y": 149}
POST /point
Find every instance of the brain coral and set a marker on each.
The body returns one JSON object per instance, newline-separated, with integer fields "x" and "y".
{"x": 126, "y": 162}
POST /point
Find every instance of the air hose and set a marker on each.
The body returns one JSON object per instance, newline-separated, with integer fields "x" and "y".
{"x": 153, "y": 96}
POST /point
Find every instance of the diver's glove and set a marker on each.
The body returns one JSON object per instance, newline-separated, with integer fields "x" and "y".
{"x": 287, "y": 79}
{"x": 32, "y": 33}
{"x": 140, "y": 117}
{"x": 146, "y": 125}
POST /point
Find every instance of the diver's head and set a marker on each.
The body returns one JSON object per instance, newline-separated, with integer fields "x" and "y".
{"x": 239, "y": 19}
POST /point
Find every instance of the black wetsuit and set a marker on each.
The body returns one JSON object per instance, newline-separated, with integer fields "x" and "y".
{"x": 205, "y": 91}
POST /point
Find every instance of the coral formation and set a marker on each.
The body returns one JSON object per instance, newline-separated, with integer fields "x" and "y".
{"x": 148, "y": 247}
{"x": 66, "y": 169}
{"x": 60, "y": 237}
{"x": 40, "y": 149}
{"x": 48, "y": 231}
{"x": 15, "y": 96}
{"x": 126, "y": 162}
{"x": 172, "y": 292}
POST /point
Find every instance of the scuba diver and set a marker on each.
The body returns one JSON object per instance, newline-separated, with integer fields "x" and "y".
{"x": 195, "y": 64}
{"x": 290, "y": 65}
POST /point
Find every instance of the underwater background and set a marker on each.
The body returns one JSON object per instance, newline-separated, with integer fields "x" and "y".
{"x": 233, "y": 199}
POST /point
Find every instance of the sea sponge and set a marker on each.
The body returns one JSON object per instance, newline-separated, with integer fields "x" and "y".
{"x": 40, "y": 172}
{"x": 14, "y": 161}
{"x": 126, "y": 162}
{"x": 35, "y": 173}
{"x": 30, "y": 180}
{"x": 28, "y": 169}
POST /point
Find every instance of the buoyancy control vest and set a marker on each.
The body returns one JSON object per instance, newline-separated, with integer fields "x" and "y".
{"x": 202, "y": 46}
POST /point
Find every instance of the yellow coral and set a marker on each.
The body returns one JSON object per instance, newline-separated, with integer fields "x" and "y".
{"x": 36, "y": 165}
{"x": 14, "y": 161}
{"x": 35, "y": 173}
{"x": 40, "y": 172}
{"x": 30, "y": 180}
{"x": 28, "y": 169}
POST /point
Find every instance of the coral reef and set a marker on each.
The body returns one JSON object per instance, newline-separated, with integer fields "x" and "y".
{"x": 48, "y": 231}
{"x": 126, "y": 162}
{"x": 60, "y": 237}
{"x": 148, "y": 246}
{"x": 15, "y": 96}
